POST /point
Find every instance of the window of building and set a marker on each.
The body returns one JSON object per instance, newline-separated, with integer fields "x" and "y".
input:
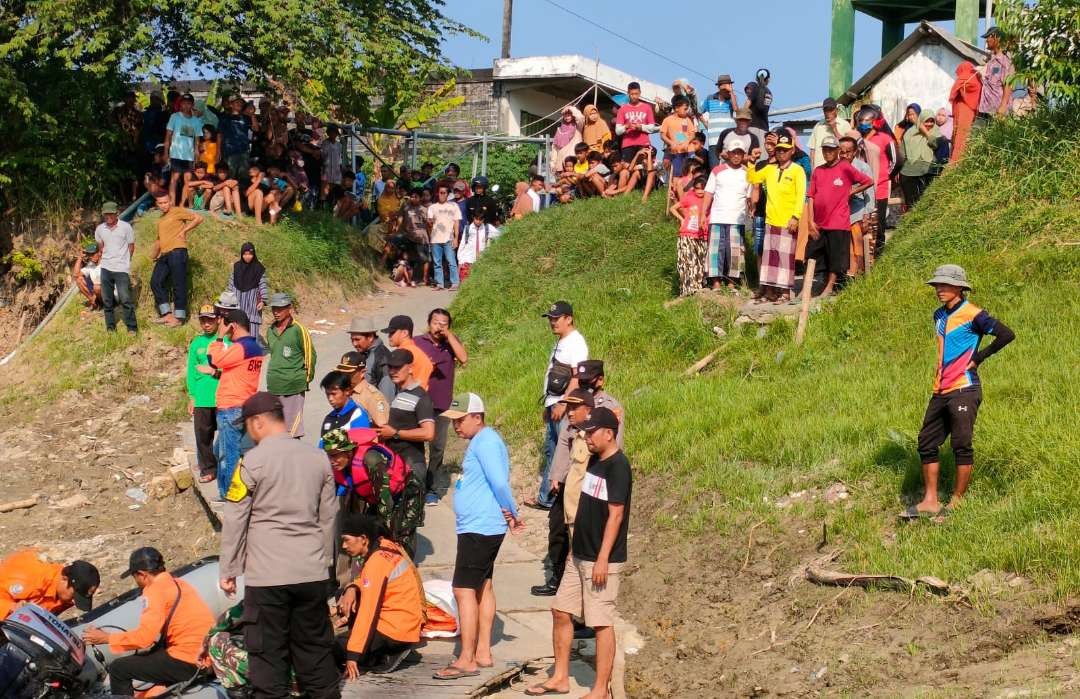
{"x": 534, "y": 125}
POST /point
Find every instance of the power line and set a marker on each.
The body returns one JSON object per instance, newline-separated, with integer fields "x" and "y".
{"x": 627, "y": 39}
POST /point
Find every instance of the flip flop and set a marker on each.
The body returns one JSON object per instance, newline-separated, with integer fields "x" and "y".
{"x": 912, "y": 513}
{"x": 453, "y": 673}
{"x": 543, "y": 691}
{"x": 208, "y": 477}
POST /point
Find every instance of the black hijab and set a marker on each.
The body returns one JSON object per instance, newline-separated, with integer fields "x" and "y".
{"x": 247, "y": 275}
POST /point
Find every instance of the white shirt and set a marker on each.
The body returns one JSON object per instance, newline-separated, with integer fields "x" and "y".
{"x": 730, "y": 191}
{"x": 475, "y": 241}
{"x": 571, "y": 350}
{"x": 92, "y": 270}
{"x": 535, "y": 200}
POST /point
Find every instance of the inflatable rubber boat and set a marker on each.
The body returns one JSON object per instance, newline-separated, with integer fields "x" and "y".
{"x": 42, "y": 657}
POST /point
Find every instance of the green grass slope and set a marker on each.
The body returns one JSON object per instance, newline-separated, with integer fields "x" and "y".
{"x": 312, "y": 257}
{"x": 769, "y": 418}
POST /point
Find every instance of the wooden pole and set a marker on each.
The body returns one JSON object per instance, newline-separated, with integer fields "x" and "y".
{"x": 18, "y": 505}
{"x": 807, "y": 288}
{"x": 508, "y": 18}
{"x": 867, "y": 250}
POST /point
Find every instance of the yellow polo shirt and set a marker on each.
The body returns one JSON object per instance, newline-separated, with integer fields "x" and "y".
{"x": 786, "y": 191}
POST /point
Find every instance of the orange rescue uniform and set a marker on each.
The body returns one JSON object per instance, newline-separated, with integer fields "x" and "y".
{"x": 422, "y": 368}
{"x": 391, "y": 599}
{"x": 25, "y": 578}
{"x": 187, "y": 628}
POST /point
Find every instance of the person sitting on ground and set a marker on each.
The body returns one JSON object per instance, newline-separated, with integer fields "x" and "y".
{"x": 173, "y": 623}
{"x": 256, "y": 193}
{"x": 27, "y": 578}
{"x": 87, "y": 273}
{"x": 283, "y": 189}
{"x": 957, "y": 393}
{"x": 198, "y": 187}
{"x": 401, "y": 273}
{"x": 597, "y": 177}
{"x": 226, "y": 193}
{"x": 158, "y": 172}
{"x": 344, "y": 412}
{"x": 693, "y": 224}
{"x": 567, "y": 185}
{"x": 385, "y": 602}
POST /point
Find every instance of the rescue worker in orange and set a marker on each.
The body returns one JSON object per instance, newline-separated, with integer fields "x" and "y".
{"x": 387, "y": 599}
{"x": 25, "y": 578}
{"x": 174, "y": 622}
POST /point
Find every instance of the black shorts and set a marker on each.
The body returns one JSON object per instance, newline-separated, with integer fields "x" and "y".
{"x": 181, "y": 166}
{"x": 950, "y": 415}
{"x": 475, "y": 563}
{"x": 627, "y": 154}
{"x": 832, "y": 250}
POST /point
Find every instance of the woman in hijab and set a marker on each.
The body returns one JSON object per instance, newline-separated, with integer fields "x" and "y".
{"x": 964, "y": 96}
{"x": 567, "y": 135}
{"x": 918, "y": 146}
{"x": 248, "y": 282}
{"x": 595, "y": 133}
{"x": 911, "y": 117}
{"x": 945, "y": 127}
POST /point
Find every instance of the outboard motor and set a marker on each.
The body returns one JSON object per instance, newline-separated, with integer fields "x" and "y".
{"x": 40, "y": 657}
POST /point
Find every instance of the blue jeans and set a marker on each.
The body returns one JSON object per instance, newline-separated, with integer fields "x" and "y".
{"x": 228, "y": 447}
{"x": 438, "y": 251}
{"x": 551, "y": 438}
{"x": 171, "y": 272}
{"x": 116, "y": 286}
{"x": 759, "y": 235}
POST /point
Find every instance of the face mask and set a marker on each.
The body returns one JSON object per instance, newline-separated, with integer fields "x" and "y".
{"x": 865, "y": 128}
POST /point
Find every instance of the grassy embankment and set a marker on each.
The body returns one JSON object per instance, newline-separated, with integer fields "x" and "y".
{"x": 313, "y": 257}
{"x": 769, "y": 418}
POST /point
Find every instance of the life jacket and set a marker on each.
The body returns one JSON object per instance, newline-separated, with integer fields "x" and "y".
{"x": 370, "y": 465}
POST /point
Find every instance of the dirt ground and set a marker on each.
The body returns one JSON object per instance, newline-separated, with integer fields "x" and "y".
{"x": 78, "y": 459}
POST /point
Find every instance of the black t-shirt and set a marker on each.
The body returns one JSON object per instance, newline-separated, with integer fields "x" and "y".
{"x": 410, "y": 407}
{"x": 484, "y": 204}
{"x": 605, "y": 481}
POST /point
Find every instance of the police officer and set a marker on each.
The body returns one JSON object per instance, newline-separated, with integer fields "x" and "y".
{"x": 278, "y": 532}
{"x": 27, "y": 579}
{"x": 481, "y": 202}
{"x": 172, "y": 626}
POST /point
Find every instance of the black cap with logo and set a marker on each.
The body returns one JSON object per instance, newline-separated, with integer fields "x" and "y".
{"x": 559, "y": 309}
{"x": 590, "y": 369}
{"x": 144, "y": 560}
{"x": 601, "y": 417}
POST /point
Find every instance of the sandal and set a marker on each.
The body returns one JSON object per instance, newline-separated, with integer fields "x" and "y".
{"x": 912, "y": 513}
{"x": 542, "y": 690}
{"x": 453, "y": 673}
{"x": 208, "y": 476}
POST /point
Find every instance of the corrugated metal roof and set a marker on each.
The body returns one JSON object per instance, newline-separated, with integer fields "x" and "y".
{"x": 924, "y": 32}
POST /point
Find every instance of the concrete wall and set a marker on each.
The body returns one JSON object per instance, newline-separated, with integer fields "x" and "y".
{"x": 529, "y": 100}
{"x": 479, "y": 113}
{"x": 924, "y": 76}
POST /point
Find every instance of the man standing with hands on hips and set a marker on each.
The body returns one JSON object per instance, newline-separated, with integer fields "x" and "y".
{"x": 561, "y": 378}
{"x": 278, "y": 532}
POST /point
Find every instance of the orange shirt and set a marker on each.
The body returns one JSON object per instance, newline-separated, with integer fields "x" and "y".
{"x": 187, "y": 628}
{"x": 25, "y": 578}
{"x": 240, "y": 364}
{"x": 422, "y": 368}
{"x": 391, "y": 599}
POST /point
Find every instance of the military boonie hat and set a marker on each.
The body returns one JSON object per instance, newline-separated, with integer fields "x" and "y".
{"x": 280, "y": 300}
{"x": 336, "y": 441}
{"x": 953, "y": 275}
{"x": 110, "y": 207}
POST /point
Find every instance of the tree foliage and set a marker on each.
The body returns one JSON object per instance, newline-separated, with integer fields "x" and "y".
{"x": 62, "y": 62}
{"x": 1044, "y": 41}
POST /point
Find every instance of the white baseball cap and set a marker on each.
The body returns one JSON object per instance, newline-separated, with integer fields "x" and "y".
{"x": 464, "y": 404}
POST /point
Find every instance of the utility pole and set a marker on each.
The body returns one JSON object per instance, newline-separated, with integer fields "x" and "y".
{"x": 508, "y": 15}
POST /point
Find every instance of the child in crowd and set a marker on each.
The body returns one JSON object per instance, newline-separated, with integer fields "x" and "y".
{"x": 156, "y": 178}
{"x": 226, "y": 193}
{"x": 300, "y": 177}
{"x": 566, "y": 186}
{"x": 209, "y": 147}
{"x": 258, "y": 193}
{"x": 595, "y": 180}
{"x": 283, "y": 189}
{"x": 698, "y": 147}
{"x": 402, "y": 273}
{"x": 197, "y": 190}
{"x": 478, "y": 235}
{"x": 676, "y": 131}
{"x": 692, "y": 244}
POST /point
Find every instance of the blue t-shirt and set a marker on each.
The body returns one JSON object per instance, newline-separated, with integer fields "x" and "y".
{"x": 359, "y": 185}
{"x": 482, "y": 491}
{"x": 184, "y": 132}
{"x": 235, "y": 134}
{"x": 721, "y": 116}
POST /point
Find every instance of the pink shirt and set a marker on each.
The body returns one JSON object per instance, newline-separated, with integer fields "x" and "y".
{"x": 830, "y": 188}
{"x": 695, "y": 219}
{"x": 886, "y": 158}
{"x": 640, "y": 114}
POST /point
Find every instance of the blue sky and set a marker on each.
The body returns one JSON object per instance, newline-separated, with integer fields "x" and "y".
{"x": 739, "y": 44}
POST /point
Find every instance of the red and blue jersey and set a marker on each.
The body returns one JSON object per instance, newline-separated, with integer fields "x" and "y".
{"x": 959, "y": 331}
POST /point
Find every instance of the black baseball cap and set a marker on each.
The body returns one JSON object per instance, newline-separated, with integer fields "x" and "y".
{"x": 590, "y": 369}
{"x": 559, "y": 308}
{"x": 146, "y": 559}
{"x": 82, "y": 576}
{"x": 992, "y": 31}
{"x": 601, "y": 417}
{"x": 399, "y": 323}
{"x": 829, "y": 103}
{"x": 579, "y": 396}
{"x": 257, "y": 404}
{"x": 399, "y": 358}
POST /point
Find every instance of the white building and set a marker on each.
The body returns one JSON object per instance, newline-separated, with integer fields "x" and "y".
{"x": 920, "y": 69}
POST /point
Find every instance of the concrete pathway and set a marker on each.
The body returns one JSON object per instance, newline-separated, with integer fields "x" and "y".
{"x": 523, "y": 622}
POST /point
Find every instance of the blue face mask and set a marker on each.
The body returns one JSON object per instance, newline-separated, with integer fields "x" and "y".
{"x": 865, "y": 128}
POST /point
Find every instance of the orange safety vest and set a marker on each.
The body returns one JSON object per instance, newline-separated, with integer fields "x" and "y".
{"x": 391, "y": 599}
{"x": 26, "y": 578}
